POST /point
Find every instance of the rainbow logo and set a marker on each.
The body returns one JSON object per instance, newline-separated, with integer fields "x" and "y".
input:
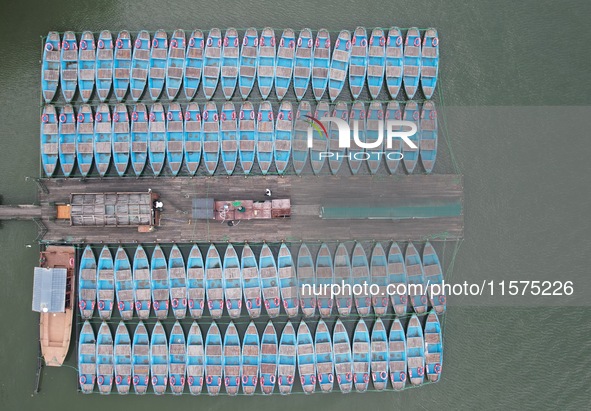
{"x": 317, "y": 125}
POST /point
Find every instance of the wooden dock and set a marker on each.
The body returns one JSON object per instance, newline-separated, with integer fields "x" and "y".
{"x": 308, "y": 195}
{"x": 19, "y": 212}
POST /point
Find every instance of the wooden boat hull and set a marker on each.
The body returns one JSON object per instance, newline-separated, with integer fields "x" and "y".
{"x": 175, "y": 136}
{"x": 321, "y": 63}
{"x": 195, "y": 283}
{"x": 361, "y": 356}
{"x": 397, "y": 355}
{"x": 104, "y": 65}
{"x": 157, "y": 138}
{"x": 411, "y": 155}
{"x": 158, "y": 63}
{"x": 249, "y": 60}
{"x": 84, "y": 140}
{"x": 193, "y": 64}
{"x": 105, "y": 284}
{"x": 374, "y": 124}
{"x": 232, "y": 282}
{"x": 343, "y": 359}
{"x": 251, "y": 358}
{"x": 103, "y": 139}
{"x": 212, "y": 62}
{"x": 211, "y": 137}
{"x": 304, "y": 55}
{"x": 142, "y": 284}
{"x": 140, "y": 354}
{"x": 213, "y": 360}
{"x": 394, "y": 153}
{"x": 177, "y": 280}
{"x": 139, "y": 139}
{"x": 288, "y": 281}
{"x": 140, "y": 64}
{"x": 428, "y": 136}
{"x": 229, "y": 136}
{"x": 355, "y": 153}
{"x": 49, "y": 140}
{"x": 306, "y": 276}
{"x": 269, "y": 352}
{"x": 69, "y": 66}
{"x": 300, "y": 137}
{"x": 266, "y": 137}
{"x": 434, "y": 276}
{"x": 121, "y": 139}
{"x": 160, "y": 283}
{"x": 416, "y": 279}
{"x": 415, "y": 351}
{"x": 378, "y": 269}
{"x": 397, "y": 277}
{"x": 122, "y": 359}
{"x": 50, "y": 73}
{"x": 86, "y": 65}
{"x": 67, "y": 140}
{"x": 123, "y": 284}
{"x": 376, "y": 64}
{"x": 193, "y": 138}
{"x": 429, "y": 62}
{"x": 175, "y": 66}
{"x": 122, "y": 65}
{"x": 159, "y": 361}
{"x": 359, "y": 61}
{"x": 283, "y": 137}
{"x": 394, "y": 61}
{"x": 343, "y": 276}
{"x": 86, "y": 359}
{"x": 338, "y": 154}
{"x": 284, "y": 63}
{"x": 412, "y": 61}
{"x": 213, "y": 282}
{"x": 267, "y": 62}
{"x": 286, "y": 359}
{"x": 269, "y": 281}
{"x": 324, "y": 277}
{"x": 320, "y": 142}
{"x": 195, "y": 359}
{"x": 324, "y": 357}
{"x": 87, "y": 284}
{"x": 379, "y": 356}
{"x": 251, "y": 282}
{"x": 177, "y": 359}
{"x": 433, "y": 347}
{"x": 339, "y": 64}
{"x": 230, "y": 61}
{"x": 306, "y": 359}
{"x": 247, "y": 136}
{"x": 104, "y": 359}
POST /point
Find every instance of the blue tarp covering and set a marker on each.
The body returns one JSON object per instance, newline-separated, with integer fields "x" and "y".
{"x": 49, "y": 290}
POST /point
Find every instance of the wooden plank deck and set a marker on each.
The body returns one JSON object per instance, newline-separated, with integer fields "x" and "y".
{"x": 308, "y": 194}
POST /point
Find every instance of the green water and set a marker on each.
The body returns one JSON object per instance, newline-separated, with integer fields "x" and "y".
{"x": 515, "y": 80}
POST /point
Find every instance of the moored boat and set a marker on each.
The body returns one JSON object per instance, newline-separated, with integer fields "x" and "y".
{"x": 343, "y": 360}
{"x": 265, "y": 136}
{"x": 247, "y": 136}
{"x": 232, "y": 282}
{"x": 376, "y": 63}
{"x": 299, "y": 145}
{"x": 232, "y": 360}
{"x": 84, "y": 139}
{"x": 267, "y": 62}
{"x": 284, "y": 63}
{"x": 302, "y": 70}
{"x": 139, "y": 138}
{"x": 249, "y": 60}
{"x": 50, "y": 73}
{"x": 159, "y": 359}
{"x": 102, "y": 139}
{"x": 175, "y": 64}
{"x": 229, "y": 137}
{"x": 158, "y": 63}
{"x": 321, "y": 63}
{"x": 142, "y": 284}
{"x": 104, "y": 65}
{"x": 213, "y": 282}
{"x": 338, "y": 153}
{"x": 412, "y": 61}
{"x": 374, "y": 124}
{"x": 359, "y": 61}
{"x": 211, "y": 137}
{"x": 268, "y": 359}
{"x": 49, "y": 140}
{"x": 394, "y": 61}
{"x": 339, "y": 64}
{"x": 160, "y": 283}
{"x": 121, "y": 139}
{"x": 411, "y": 155}
{"x": 193, "y": 64}
{"x": 397, "y": 355}
{"x": 378, "y": 271}
{"x": 67, "y": 139}
{"x": 324, "y": 279}
{"x": 397, "y": 277}
{"x": 105, "y": 284}
{"x": 86, "y": 65}
{"x": 251, "y": 358}
{"x": 214, "y": 360}
{"x": 195, "y": 359}
{"x": 229, "y": 62}
{"x": 379, "y": 356}
{"x": 415, "y": 351}
{"x": 104, "y": 359}
{"x": 140, "y": 359}
{"x": 286, "y": 359}
{"x": 357, "y": 124}
{"x": 361, "y": 356}
{"x": 212, "y": 62}
{"x": 416, "y": 279}
{"x": 288, "y": 281}
{"x": 269, "y": 281}
{"x": 140, "y": 63}
{"x": 157, "y": 138}
{"x": 306, "y": 360}
{"x": 428, "y": 136}
{"x": 195, "y": 282}
{"x": 177, "y": 280}
{"x": 69, "y": 65}
{"x": 429, "y": 62}
{"x": 123, "y": 284}
{"x": 306, "y": 277}
{"x": 87, "y": 284}
{"x": 320, "y": 142}
{"x": 122, "y": 65}
{"x": 394, "y": 153}
{"x": 433, "y": 347}
{"x": 343, "y": 278}
{"x": 251, "y": 282}
{"x": 283, "y": 136}
{"x": 177, "y": 359}
{"x": 174, "y": 137}
{"x": 434, "y": 276}
{"x": 324, "y": 357}
{"x": 122, "y": 359}
{"x": 193, "y": 137}
{"x": 86, "y": 358}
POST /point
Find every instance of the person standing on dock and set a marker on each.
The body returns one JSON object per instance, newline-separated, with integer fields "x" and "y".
{"x": 268, "y": 192}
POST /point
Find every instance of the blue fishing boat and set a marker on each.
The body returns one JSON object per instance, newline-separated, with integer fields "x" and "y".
{"x": 86, "y": 65}
{"x": 214, "y": 289}
{"x": 306, "y": 277}
{"x": 177, "y": 359}
{"x": 343, "y": 276}
{"x": 231, "y": 359}
{"x": 283, "y": 136}
{"x": 230, "y": 56}
{"x": 338, "y": 153}
{"x": 84, "y": 139}
{"x": 267, "y": 62}
{"x": 86, "y": 358}
{"x": 433, "y": 347}
{"x": 324, "y": 278}
{"x": 122, "y": 65}
{"x": 376, "y": 63}
{"x": 247, "y": 136}
{"x": 193, "y": 137}
{"x": 193, "y": 64}
{"x": 429, "y": 62}
{"x": 142, "y": 285}
{"x": 428, "y": 136}
{"x": 378, "y": 269}
{"x": 212, "y": 62}
{"x": 269, "y": 359}
{"x": 174, "y": 137}
{"x": 105, "y": 284}
{"x": 361, "y": 356}
{"x": 379, "y": 356}
{"x": 104, "y": 65}
{"x": 360, "y": 273}
{"x": 195, "y": 359}
{"x": 158, "y": 62}
{"x": 286, "y": 360}
{"x": 139, "y": 138}
{"x": 285, "y": 62}
{"x": 229, "y": 131}
{"x": 411, "y": 155}
{"x": 140, "y": 359}
{"x": 302, "y": 70}
{"x": 177, "y": 280}
{"x": 288, "y": 281}
{"x": 251, "y": 282}
{"x": 232, "y": 282}
{"x": 159, "y": 359}
{"x": 339, "y": 64}
{"x": 397, "y": 277}
{"x": 69, "y": 65}
{"x": 393, "y": 154}
{"x": 320, "y": 142}
{"x": 67, "y": 140}
{"x": 375, "y": 124}
{"x": 324, "y": 357}
{"x": 306, "y": 359}
{"x": 175, "y": 64}
{"x": 394, "y": 61}
{"x": 359, "y": 61}
{"x": 160, "y": 283}
{"x": 415, "y": 275}
{"x": 211, "y": 137}
{"x": 195, "y": 282}
{"x": 397, "y": 355}
{"x": 157, "y": 138}
{"x": 265, "y": 136}
{"x": 412, "y": 61}
{"x": 121, "y": 139}
{"x": 50, "y": 73}
{"x": 269, "y": 281}
{"x": 299, "y": 145}
{"x": 122, "y": 359}
{"x": 249, "y": 60}
{"x": 104, "y": 359}
{"x": 321, "y": 63}
{"x": 123, "y": 284}
{"x": 214, "y": 360}
{"x": 140, "y": 64}
{"x": 434, "y": 275}
{"x": 251, "y": 358}
{"x": 415, "y": 351}
{"x": 343, "y": 360}
{"x": 358, "y": 126}
{"x": 87, "y": 284}
{"x": 102, "y": 139}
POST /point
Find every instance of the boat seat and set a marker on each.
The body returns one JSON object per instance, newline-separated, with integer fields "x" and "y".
{"x": 379, "y": 346}
{"x": 378, "y": 271}
{"x": 372, "y": 124}
{"x": 247, "y": 71}
{"x": 284, "y": 125}
{"x": 267, "y": 51}
{"x": 175, "y": 126}
{"x": 157, "y": 147}
{"x": 106, "y": 295}
{"x": 271, "y": 292}
{"x": 430, "y": 52}
{"x": 141, "y": 349}
{"x": 287, "y": 272}
{"x": 192, "y": 126}
{"x": 141, "y": 54}
{"x": 85, "y": 128}
{"x": 176, "y": 368}
{"x": 431, "y": 269}
{"x": 249, "y": 51}
{"x": 196, "y": 293}
{"x": 157, "y": 73}
{"x": 211, "y": 147}
{"x": 104, "y": 74}
{"x": 214, "y": 272}
{"x": 104, "y": 54}
{"x": 159, "y": 53}
{"x": 211, "y": 71}
{"x": 141, "y": 273}
{"x": 432, "y": 338}
{"x": 232, "y": 273}
{"x": 178, "y": 293}
{"x": 397, "y": 346}
{"x": 177, "y": 53}
{"x": 211, "y": 127}
{"x": 195, "y": 53}
{"x": 88, "y": 349}
{"x": 265, "y": 126}
{"x": 360, "y": 367}
{"x": 375, "y": 71}
{"x": 177, "y": 272}
{"x": 412, "y": 71}
{"x": 157, "y": 127}
{"x": 103, "y": 127}
{"x": 88, "y": 294}
{"x": 67, "y": 128}
{"x": 54, "y": 56}
{"x": 70, "y": 74}
{"x": 284, "y": 72}
{"x": 413, "y": 269}
{"x": 337, "y": 74}
{"x": 301, "y": 72}
{"x": 123, "y": 369}
{"x": 193, "y": 146}
{"x": 396, "y": 268}
{"x": 393, "y": 71}
{"x": 428, "y": 125}
{"x": 105, "y": 274}
{"x": 68, "y": 148}
{"x": 175, "y": 72}
{"x": 160, "y": 295}
{"x": 158, "y": 349}
{"x": 177, "y": 349}
{"x": 193, "y": 72}
{"x": 376, "y": 51}
{"x": 121, "y": 127}
{"x": 282, "y": 145}
{"x": 160, "y": 369}
{"x": 88, "y": 368}
{"x": 265, "y": 146}
{"x": 229, "y": 71}
{"x": 250, "y": 272}
{"x": 123, "y": 349}
{"x": 411, "y": 51}
{"x": 231, "y": 351}
{"x": 125, "y": 295}
{"x": 414, "y": 342}
{"x": 104, "y": 349}
{"x": 286, "y": 53}
{"x": 103, "y": 147}
{"x": 287, "y": 350}
{"x": 320, "y": 72}
{"x": 231, "y": 52}
{"x": 51, "y": 75}
{"x": 139, "y": 74}
{"x": 428, "y": 71}
{"x": 432, "y": 358}
{"x": 122, "y": 73}
{"x": 123, "y": 54}
{"x": 304, "y": 349}
{"x": 213, "y": 350}
{"x": 358, "y": 51}
{"x": 195, "y": 350}
{"x": 69, "y": 55}
{"x": 266, "y": 71}
{"x": 356, "y": 70}
{"x": 340, "y": 55}
{"x": 213, "y": 52}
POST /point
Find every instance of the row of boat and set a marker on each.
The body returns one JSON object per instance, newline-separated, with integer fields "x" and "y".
{"x": 294, "y": 283}
{"x": 393, "y": 357}
{"x": 187, "y": 136}
{"x": 127, "y": 65}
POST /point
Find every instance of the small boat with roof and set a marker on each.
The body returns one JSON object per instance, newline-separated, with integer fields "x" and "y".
{"x": 177, "y": 359}
{"x": 269, "y": 281}
{"x": 433, "y": 275}
{"x": 415, "y": 351}
{"x": 286, "y": 360}
{"x": 232, "y": 360}
{"x": 376, "y": 63}
{"x": 285, "y": 62}
{"x": 140, "y": 359}
{"x": 175, "y": 63}
{"x": 104, "y": 65}
{"x": 212, "y": 62}
{"x": 324, "y": 357}
{"x": 229, "y": 68}
{"x": 121, "y": 139}
{"x": 102, "y": 139}
{"x": 84, "y": 139}
{"x": 159, "y": 359}
{"x": 193, "y": 64}
{"x": 211, "y": 137}
{"x": 412, "y": 61}
{"x": 299, "y": 145}
{"x": 416, "y": 279}
{"x": 288, "y": 281}
{"x": 343, "y": 360}
{"x": 379, "y": 356}
{"x": 214, "y": 360}
{"x": 429, "y": 62}
{"x": 433, "y": 347}
{"x": 339, "y": 65}
{"x": 378, "y": 271}
{"x": 343, "y": 277}
{"x": 397, "y": 355}
{"x": 361, "y": 356}
{"x": 214, "y": 289}
{"x": 267, "y": 62}
{"x": 104, "y": 359}
{"x": 251, "y": 282}
{"x": 359, "y": 61}
{"x": 87, "y": 358}
{"x": 394, "y": 61}
{"x": 139, "y": 138}
{"x": 195, "y": 282}
{"x": 232, "y": 282}
{"x": 411, "y": 155}
{"x": 320, "y": 142}
{"x": 302, "y": 70}
{"x": 321, "y": 63}
{"x": 140, "y": 64}
{"x": 67, "y": 140}
{"x": 122, "y": 65}
{"x": 49, "y": 140}
{"x": 157, "y": 138}
{"x": 306, "y": 276}
{"x": 283, "y": 136}
{"x": 334, "y": 162}
{"x": 397, "y": 277}
{"x": 87, "y": 284}
{"x": 174, "y": 137}
{"x": 158, "y": 63}
{"x": 69, "y": 65}
{"x": 142, "y": 284}
{"x": 247, "y": 136}
{"x": 193, "y": 137}
{"x": 122, "y": 359}
{"x": 177, "y": 280}
{"x": 269, "y": 359}
{"x": 324, "y": 279}
{"x": 123, "y": 284}
{"x": 265, "y": 136}
{"x": 105, "y": 284}
{"x": 50, "y": 74}
{"x": 251, "y": 358}
{"x": 428, "y": 136}
{"x": 160, "y": 283}
{"x": 355, "y": 153}
{"x": 195, "y": 359}
{"x": 306, "y": 359}
{"x": 229, "y": 134}
{"x": 86, "y": 65}
{"x": 374, "y": 124}
{"x": 393, "y": 154}
{"x": 249, "y": 60}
